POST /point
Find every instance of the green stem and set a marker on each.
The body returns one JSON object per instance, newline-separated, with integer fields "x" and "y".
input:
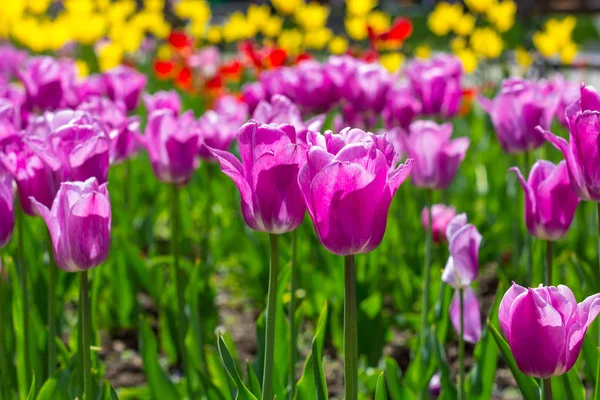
{"x": 180, "y": 289}
{"x": 3, "y": 361}
{"x": 548, "y": 277}
{"x": 293, "y": 338}
{"x": 547, "y": 388}
{"x": 267, "y": 389}
{"x": 350, "y": 330}
{"x": 427, "y": 266}
{"x": 597, "y": 388}
{"x": 51, "y": 309}
{"x": 461, "y": 347}
{"x": 86, "y": 336}
{"x": 80, "y": 340}
{"x": 24, "y": 291}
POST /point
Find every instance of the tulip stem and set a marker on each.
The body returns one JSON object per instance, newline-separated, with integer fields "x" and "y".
{"x": 350, "y": 330}
{"x": 427, "y": 267}
{"x": 548, "y": 280}
{"x": 86, "y": 336}
{"x": 180, "y": 289}
{"x": 293, "y": 336}
{"x": 51, "y": 309}
{"x": 4, "y": 375}
{"x": 24, "y": 293}
{"x": 267, "y": 383}
{"x": 547, "y": 388}
{"x": 461, "y": 347}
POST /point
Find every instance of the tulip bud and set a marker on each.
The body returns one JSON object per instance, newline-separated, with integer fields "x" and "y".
{"x": 42, "y": 78}
{"x": 79, "y": 223}
{"x": 441, "y": 215}
{"x": 550, "y": 202}
{"x": 462, "y": 267}
{"x": 7, "y": 217}
{"x": 545, "y": 327}
{"x": 435, "y": 386}
{"x": 125, "y": 84}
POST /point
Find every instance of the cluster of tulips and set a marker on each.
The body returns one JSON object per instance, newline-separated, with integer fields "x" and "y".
{"x": 60, "y": 134}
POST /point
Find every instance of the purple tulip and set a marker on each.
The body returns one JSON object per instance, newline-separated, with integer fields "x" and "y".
{"x": 368, "y": 88}
{"x": 79, "y": 223}
{"x": 462, "y": 267}
{"x": 6, "y": 208}
{"x": 43, "y": 80}
{"x": 267, "y": 177}
{"x": 436, "y": 157}
{"x": 340, "y": 70}
{"x": 401, "y": 107}
{"x": 252, "y": 94}
{"x": 545, "y": 327}
{"x": 567, "y": 92}
{"x": 348, "y": 183}
{"x": 282, "y": 80}
{"x": 12, "y": 59}
{"x": 232, "y": 109}
{"x": 162, "y": 100}
{"x": 517, "y": 110}
{"x": 217, "y": 132}
{"x": 441, "y": 215}
{"x": 472, "y": 315}
{"x": 435, "y": 386}
{"x": 125, "y": 84}
{"x": 350, "y": 117}
{"x": 581, "y": 152}
{"x": 172, "y": 143}
{"x": 550, "y": 202}
{"x": 437, "y": 84}
{"x": 314, "y": 91}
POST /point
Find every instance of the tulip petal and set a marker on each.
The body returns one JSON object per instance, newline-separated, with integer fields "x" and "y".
{"x": 472, "y": 315}
{"x": 530, "y": 199}
{"x": 455, "y": 224}
{"x": 505, "y": 306}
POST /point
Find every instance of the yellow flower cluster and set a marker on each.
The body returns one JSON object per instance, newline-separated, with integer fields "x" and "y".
{"x": 555, "y": 39}
{"x": 472, "y": 42}
{"x": 360, "y": 14}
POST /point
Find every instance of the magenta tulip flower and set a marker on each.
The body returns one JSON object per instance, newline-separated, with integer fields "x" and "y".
{"x": 462, "y": 267}
{"x": 567, "y": 93}
{"x": 545, "y": 327}
{"x": 368, "y": 88}
{"x": 581, "y": 152}
{"x": 401, "y": 107}
{"x": 517, "y": 110}
{"x": 79, "y": 223}
{"x": 314, "y": 91}
{"x": 550, "y": 202}
{"x": 43, "y": 80}
{"x": 437, "y": 84}
{"x": 162, "y": 100}
{"x": 348, "y": 183}
{"x": 472, "y": 315}
{"x": 125, "y": 84}
{"x": 172, "y": 143}
{"x": 436, "y": 157}
{"x": 267, "y": 177}
{"x": 7, "y": 215}
{"x": 252, "y": 94}
{"x": 12, "y": 59}
{"x": 217, "y": 131}
{"x": 232, "y": 109}
{"x": 435, "y": 386}
{"x": 441, "y": 215}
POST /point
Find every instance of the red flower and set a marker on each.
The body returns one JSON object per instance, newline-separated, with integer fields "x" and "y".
{"x": 163, "y": 69}
{"x": 400, "y": 31}
{"x": 180, "y": 40}
{"x": 276, "y": 58}
{"x": 184, "y": 78}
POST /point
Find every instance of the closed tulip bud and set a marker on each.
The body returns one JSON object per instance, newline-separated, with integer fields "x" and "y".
{"x": 368, "y": 88}
{"x": 550, "y": 202}
{"x": 80, "y": 224}
{"x": 42, "y": 78}
{"x": 581, "y": 152}
{"x": 348, "y": 183}
{"x": 471, "y": 318}
{"x": 545, "y": 327}
{"x": 162, "y": 100}
{"x": 517, "y": 110}
{"x": 436, "y": 157}
{"x": 125, "y": 84}
{"x": 314, "y": 92}
{"x": 435, "y": 386}
{"x": 462, "y": 267}
{"x": 267, "y": 177}
{"x": 172, "y": 143}
{"x": 441, "y": 215}
{"x": 6, "y": 208}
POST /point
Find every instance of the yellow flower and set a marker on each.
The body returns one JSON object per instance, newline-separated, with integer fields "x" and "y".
{"x": 117, "y": 13}
{"x": 545, "y": 44}
{"x": 465, "y": 25}
{"x": 237, "y": 28}
{"x": 391, "y": 61}
{"x": 441, "y": 20}
{"x": 154, "y": 5}
{"x": 272, "y": 27}
{"x": 317, "y": 39}
{"x": 568, "y": 53}
{"x": 379, "y": 21}
{"x": 422, "y": 51}
{"x": 83, "y": 69}
{"x": 479, "y": 6}
{"x": 468, "y": 59}
{"x": 291, "y": 41}
{"x": 360, "y": 7}
{"x": 110, "y": 55}
{"x": 457, "y": 44}
{"x": 338, "y": 45}
{"x": 164, "y": 52}
{"x": 88, "y": 30}
{"x": 312, "y": 15}
{"x": 560, "y": 31}
{"x": 197, "y": 10}
{"x": 486, "y": 43}
{"x": 37, "y": 6}
{"x": 286, "y": 7}
{"x": 356, "y": 27}
{"x": 258, "y": 15}
{"x": 523, "y": 58}
{"x": 214, "y": 35}
{"x": 57, "y": 33}
{"x": 502, "y": 15}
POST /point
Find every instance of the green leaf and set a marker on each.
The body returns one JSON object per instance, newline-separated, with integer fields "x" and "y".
{"x": 448, "y": 388}
{"x": 56, "y": 387}
{"x": 573, "y": 385}
{"x": 108, "y": 393}
{"x": 243, "y": 392}
{"x": 398, "y": 391}
{"x": 161, "y": 386}
{"x": 320, "y": 385}
{"x": 380, "y": 391}
{"x": 253, "y": 382}
{"x": 527, "y": 385}
{"x": 31, "y": 394}
{"x": 306, "y": 387}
